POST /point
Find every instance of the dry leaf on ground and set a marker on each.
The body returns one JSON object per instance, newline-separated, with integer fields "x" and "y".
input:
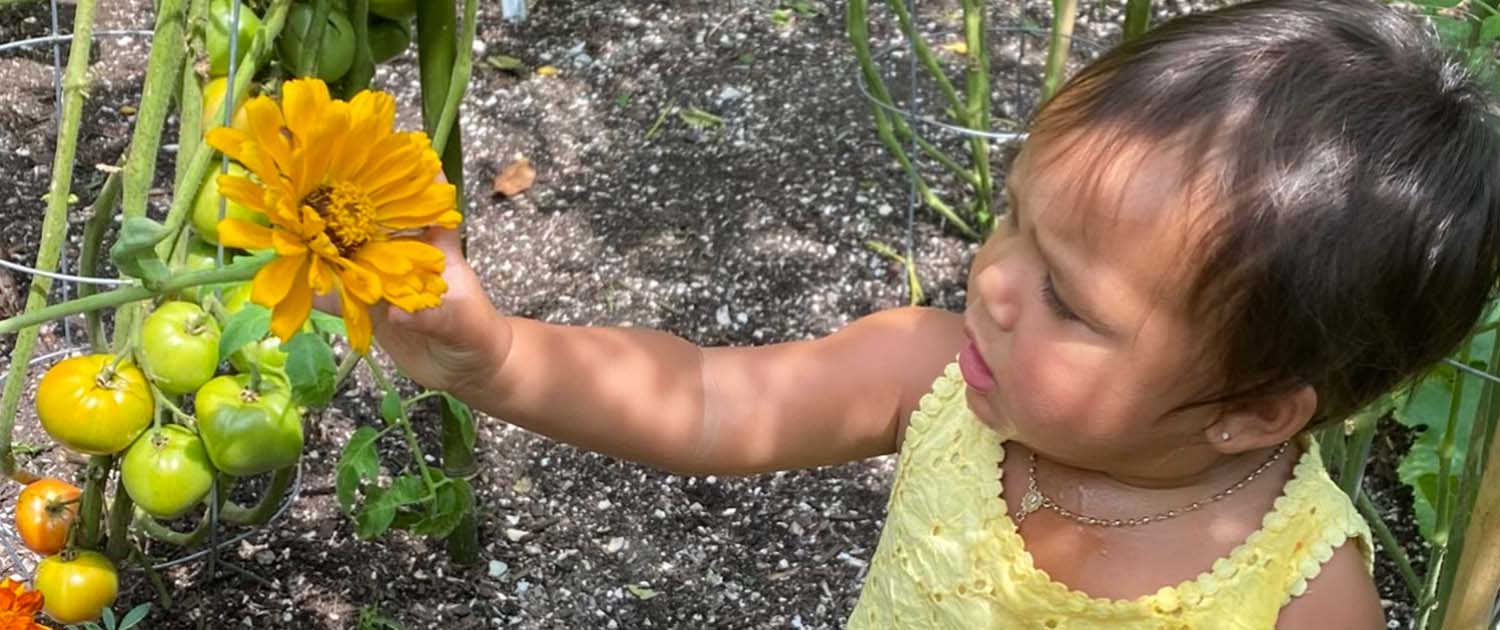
{"x": 515, "y": 179}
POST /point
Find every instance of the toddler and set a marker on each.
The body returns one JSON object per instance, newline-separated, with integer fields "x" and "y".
{"x": 1222, "y": 235}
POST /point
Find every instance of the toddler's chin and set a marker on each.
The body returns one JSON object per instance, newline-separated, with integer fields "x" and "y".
{"x": 988, "y": 415}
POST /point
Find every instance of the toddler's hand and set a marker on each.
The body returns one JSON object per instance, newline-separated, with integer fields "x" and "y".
{"x": 462, "y": 340}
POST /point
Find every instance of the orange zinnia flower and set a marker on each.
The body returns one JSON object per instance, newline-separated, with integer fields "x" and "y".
{"x": 18, "y": 606}
{"x": 346, "y": 196}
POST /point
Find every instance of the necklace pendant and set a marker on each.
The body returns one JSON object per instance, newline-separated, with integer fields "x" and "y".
{"x": 1030, "y": 502}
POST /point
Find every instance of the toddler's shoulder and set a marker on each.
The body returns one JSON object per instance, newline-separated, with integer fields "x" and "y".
{"x": 1343, "y": 596}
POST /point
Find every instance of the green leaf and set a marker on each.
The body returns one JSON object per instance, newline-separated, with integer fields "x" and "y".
{"x": 252, "y": 323}
{"x": 328, "y": 324}
{"x": 390, "y": 407}
{"x": 459, "y": 413}
{"x": 311, "y": 369}
{"x": 134, "y": 252}
{"x": 109, "y": 617}
{"x": 381, "y": 505}
{"x": 1419, "y": 470}
{"x": 641, "y": 592}
{"x": 358, "y": 463}
{"x": 1489, "y": 31}
{"x": 135, "y": 616}
{"x": 453, "y": 500}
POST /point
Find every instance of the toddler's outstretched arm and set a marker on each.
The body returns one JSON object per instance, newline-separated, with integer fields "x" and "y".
{"x": 655, "y": 398}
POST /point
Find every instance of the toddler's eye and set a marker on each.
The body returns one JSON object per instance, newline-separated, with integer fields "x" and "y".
{"x": 1054, "y": 302}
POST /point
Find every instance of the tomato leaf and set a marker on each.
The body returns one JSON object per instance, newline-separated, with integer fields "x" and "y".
{"x": 328, "y": 324}
{"x": 358, "y": 463}
{"x": 458, "y": 413}
{"x": 390, "y": 407}
{"x": 381, "y": 505}
{"x": 134, "y": 252}
{"x": 135, "y": 616}
{"x": 310, "y": 367}
{"x": 251, "y": 323}
{"x": 452, "y": 501}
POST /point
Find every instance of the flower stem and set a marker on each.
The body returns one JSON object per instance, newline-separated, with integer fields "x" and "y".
{"x": 406, "y": 430}
{"x": 163, "y": 69}
{"x": 238, "y": 272}
{"x": 54, "y": 224}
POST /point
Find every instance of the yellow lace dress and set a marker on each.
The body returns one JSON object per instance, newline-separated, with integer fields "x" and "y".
{"x": 950, "y": 557}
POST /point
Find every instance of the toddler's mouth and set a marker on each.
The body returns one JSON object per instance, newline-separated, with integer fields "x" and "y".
{"x": 976, "y": 372}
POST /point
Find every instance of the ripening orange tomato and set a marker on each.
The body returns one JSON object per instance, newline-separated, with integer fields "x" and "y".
{"x": 44, "y": 514}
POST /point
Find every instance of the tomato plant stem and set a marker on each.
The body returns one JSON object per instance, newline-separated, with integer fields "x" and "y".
{"x": 463, "y": 65}
{"x": 93, "y": 501}
{"x": 1137, "y": 18}
{"x": 1064, "y": 13}
{"x": 261, "y": 512}
{"x": 54, "y": 225}
{"x": 101, "y": 215}
{"x": 363, "y": 68}
{"x": 1392, "y": 547}
{"x": 162, "y": 72}
{"x": 238, "y": 272}
{"x": 121, "y": 512}
{"x": 978, "y": 114}
{"x": 190, "y": 94}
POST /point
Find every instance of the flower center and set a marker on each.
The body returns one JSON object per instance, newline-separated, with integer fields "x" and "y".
{"x": 347, "y": 212}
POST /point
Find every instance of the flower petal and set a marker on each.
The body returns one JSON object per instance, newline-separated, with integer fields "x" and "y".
{"x": 319, "y": 276}
{"x": 275, "y": 280}
{"x": 269, "y": 130}
{"x": 372, "y": 115}
{"x": 303, "y": 102}
{"x": 243, "y": 191}
{"x": 360, "y": 282}
{"x": 356, "y": 322}
{"x": 244, "y": 234}
{"x": 291, "y": 311}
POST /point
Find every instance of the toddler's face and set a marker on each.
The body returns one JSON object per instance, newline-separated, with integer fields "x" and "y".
{"x": 1075, "y": 310}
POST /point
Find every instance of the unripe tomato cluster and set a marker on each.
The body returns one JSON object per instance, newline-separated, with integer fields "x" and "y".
{"x": 388, "y": 34}
{"x": 243, "y": 422}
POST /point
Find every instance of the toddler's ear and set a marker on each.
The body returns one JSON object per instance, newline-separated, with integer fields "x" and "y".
{"x": 1264, "y": 421}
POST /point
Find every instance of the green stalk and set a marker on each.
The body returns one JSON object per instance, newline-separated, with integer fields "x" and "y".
{"x": 1137, "y": 18}
{"x": 190, "y": 95}
{"x": 1357, "y": 452}
{"x": 886, "y": 125}
{"x": 54, "y": 223}
{"x": 442, "y": 88}
{"x": 162, "y": 71}
{"x": 978, "y": 114}
{"x": 1475, "y": 517}
{"x": 1444, "y": 503}
{"x": 1064, "y": 13}
{"x": 924, "y": 53}
{"x": 92, "y": 505}
{"x": 265, "y": 508}
{"x": 312, "y": 38}
{"x": 121, "y": 512}
{"x": 101, "y": 214}
{"x": 463, "y": 65}
{"x": 363, "y": 69}
{"x": 1466, "y": 598}
{"x": 237, "y": 272}
{"x": 1393, "y": 549}
{"x": 192, "y": 175}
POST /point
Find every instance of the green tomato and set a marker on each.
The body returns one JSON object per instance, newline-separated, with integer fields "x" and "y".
{"x": 216, "y": 36}
{"x": 394, "y": 9}
{"x": 167, "y": 471}
{"x": 248, "y": 431}
{"x": 180, "y": 347}
{"x": 335, "y": 52}
{"x": 266, "y": 353}
{"x": 387, "y": 38}
{"x": 206, "y": 206}
{"x": 202, "y": 256}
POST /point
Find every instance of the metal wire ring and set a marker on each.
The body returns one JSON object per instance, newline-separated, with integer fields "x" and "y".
{"x": 33, "y": 271}
{"x": 48, "y": 39}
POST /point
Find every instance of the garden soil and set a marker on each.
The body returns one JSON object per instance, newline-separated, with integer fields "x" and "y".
{"x": 749, "y": 228}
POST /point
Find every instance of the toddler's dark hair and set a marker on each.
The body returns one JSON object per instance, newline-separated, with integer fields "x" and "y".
{"x": 1354, "y": 234}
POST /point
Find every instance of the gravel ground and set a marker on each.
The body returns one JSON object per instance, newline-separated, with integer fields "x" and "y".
{"x": 751, "y": 232}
